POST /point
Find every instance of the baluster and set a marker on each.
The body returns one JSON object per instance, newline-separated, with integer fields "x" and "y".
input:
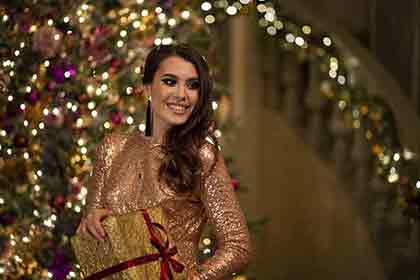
{"x": 291, "y": 78}
{"x": 315, "y": 103}
{"x": 269, "y": 74}
{"x": 340, "y": 131}
{"x": 361, "y": 158}
{"x": 378, "y": 205}
{"x": 398, "y": 242}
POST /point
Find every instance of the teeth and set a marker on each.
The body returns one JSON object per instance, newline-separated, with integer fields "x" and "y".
{"x": 176, "y": 108}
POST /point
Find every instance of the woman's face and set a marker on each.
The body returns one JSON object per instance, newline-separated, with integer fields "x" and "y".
{"x": 174, "y": 90}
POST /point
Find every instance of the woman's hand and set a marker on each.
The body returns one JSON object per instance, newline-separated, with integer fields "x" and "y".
{"x": 92, "y": 223}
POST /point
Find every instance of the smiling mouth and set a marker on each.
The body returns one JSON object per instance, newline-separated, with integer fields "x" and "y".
{"x": 178, "y": 109}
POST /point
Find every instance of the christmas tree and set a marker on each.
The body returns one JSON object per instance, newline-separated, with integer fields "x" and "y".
{"x": 69, "y": 74}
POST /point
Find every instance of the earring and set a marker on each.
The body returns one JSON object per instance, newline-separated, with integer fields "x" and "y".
{"x": 149, "y": 119}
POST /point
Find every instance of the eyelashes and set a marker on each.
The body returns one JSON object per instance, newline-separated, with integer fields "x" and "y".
{"x": 190, "y": 84}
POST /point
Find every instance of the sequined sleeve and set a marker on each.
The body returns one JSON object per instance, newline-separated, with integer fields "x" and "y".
{"x": 104, "y": 153}
{"x": 234, "y": 247}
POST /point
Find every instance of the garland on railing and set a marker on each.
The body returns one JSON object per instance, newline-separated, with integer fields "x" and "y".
{"x": 340, "y": 83}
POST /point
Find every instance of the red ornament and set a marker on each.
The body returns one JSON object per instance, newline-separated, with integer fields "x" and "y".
{"x": 235, "y": 184}
{"x": 59, "y": 201}
{"x": 75, "y": 189}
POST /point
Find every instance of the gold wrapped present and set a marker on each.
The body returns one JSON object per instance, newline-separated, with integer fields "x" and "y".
{"x": 137, "y": 247}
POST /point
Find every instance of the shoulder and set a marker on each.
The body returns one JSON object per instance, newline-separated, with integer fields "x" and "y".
{"x": 116, "y": 137}
{"x": 113, "y": 142}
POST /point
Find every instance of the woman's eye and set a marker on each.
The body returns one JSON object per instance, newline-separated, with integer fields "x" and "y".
{"x": 194, "y": 85}
{"x": 169, "y": 82}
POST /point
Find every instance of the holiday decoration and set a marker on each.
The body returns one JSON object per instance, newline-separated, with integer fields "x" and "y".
{"x": 137, "y": 247}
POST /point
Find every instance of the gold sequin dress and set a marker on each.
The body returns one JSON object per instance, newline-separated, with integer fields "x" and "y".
{"x": 124, "y": 179}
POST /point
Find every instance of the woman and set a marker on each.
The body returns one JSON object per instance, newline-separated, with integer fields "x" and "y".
{"x": 176, "y": 164}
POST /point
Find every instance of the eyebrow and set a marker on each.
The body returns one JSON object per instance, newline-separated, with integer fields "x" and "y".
{"x": 175, "y": 76}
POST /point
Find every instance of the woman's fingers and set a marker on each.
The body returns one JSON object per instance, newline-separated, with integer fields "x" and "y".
{"x": 92, "y": 228}
{"x": 93, "y": 223}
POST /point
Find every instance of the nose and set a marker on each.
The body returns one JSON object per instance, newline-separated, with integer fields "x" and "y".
{"x": 181, "y": 91}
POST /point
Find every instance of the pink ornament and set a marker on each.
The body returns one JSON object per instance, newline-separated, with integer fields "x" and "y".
{"x": 47, "y": 40}
{"x": 116, "y": 117}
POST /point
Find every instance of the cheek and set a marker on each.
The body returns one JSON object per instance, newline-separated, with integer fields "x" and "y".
{"x": 194, "y": 97}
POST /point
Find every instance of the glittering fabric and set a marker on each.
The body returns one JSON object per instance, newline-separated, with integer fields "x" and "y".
{"x": 125, "y": 180}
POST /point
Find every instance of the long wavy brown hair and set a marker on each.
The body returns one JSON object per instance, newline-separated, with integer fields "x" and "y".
{"x": 181, "y": 164}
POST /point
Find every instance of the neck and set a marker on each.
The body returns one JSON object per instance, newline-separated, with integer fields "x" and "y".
{"x": 158, "y": 131}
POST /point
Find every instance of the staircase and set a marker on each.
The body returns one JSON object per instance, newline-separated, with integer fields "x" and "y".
{"x": 331, "y": 216}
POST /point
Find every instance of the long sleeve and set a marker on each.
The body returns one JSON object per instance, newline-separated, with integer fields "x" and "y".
{"x": 104, "y": 153}
{"x": 234, "y": 248}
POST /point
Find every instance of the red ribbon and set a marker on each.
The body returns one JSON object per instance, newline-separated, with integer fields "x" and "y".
{"x": 165, "y": 255}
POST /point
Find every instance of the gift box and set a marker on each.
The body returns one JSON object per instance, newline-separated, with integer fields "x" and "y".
{"x": 137, "y": 246}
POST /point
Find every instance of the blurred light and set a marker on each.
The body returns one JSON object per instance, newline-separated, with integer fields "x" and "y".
{"x": 261, "y": 8}
{"x": 392, "y": 178}
{"x": 158, "y": 10}
{"x": 290, "y": 37}
{"x": 136, "y": 24}
{"x": 130, "y": 120}
{"x": 91, "y": 105}
{"x": 231, "y": 10}
{"x": 269, "y": 16}
{"x": 306, "y": 29}
{"x": 206, "y": 6}
{"x": 167, "y": 41}
{"x": 278, "y": 24}
{"x": 172, "y": 22}
{"x": 158, "y": 41}
{"x": 327, "y": 41}
{"x": 299, "y": 41}
{"x": 206, "y": 241}
{"x": 341, "y": 79}
{"x": 185, "y": 14}
{"x": 210, "y": 19}
{"x": 144, "y": 13}
{"x": 142, "y": 127}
